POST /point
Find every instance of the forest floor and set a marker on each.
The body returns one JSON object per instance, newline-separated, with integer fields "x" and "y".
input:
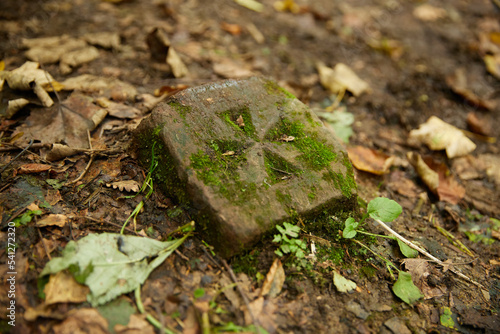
{"x": 412, "y": 60}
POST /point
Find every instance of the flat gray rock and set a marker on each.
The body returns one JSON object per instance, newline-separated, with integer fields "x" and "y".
{"x": 245, "y": 155}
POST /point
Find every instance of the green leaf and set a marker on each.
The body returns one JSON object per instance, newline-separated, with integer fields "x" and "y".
{"x": 277, "y": 238}
{"x": 384, "y": 209}
{"x": 198, "y": 293}
{"x": 350, "y": 228}
{"x": 341, "y": 121}
{"x": 121, "y": 263}
{"x": 292, "y": 230}
{"x": 446, "y": 318}
{"x": 343, "y": 284}
{"x": 405, "y": 289}
{"x": 278, "y": 252}
{"x": 116, "y": 312}
{"x": 406, "y": 250}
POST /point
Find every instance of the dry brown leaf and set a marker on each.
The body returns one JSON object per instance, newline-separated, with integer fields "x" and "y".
{"x": 438, "y": 135}
{"x": 85, "y": 318}
{"x": 108, "y": 40}
{"x": 467, "y": 167}
{"x": 263, "y": 311}
{"x": 30, "y": 77}
{"x": 479, "y": 124}
{"x": 75, "y": 58}
{"x": 493, "y": 64}
{"x": 458, "y": 83}
{"x": 428, "y": 12}
{"x": 273, "y": 283}
{"x": 136, "y": 325}
{"x": 233, "y": 29}
{"x": 67, "y": 124}
{"x": 118, "y": 110}
{"x": 162, "y": 51}
{"x": 438, "y": 178}
{"x": 49, "y": 50}
{"x": 53, "y": 220}
{"x": 341, "y": 78}
{"x": 62, "y": 288}
{"x": 177, "y": 66}
{"x": 419, "y": 270}
{"x": 430, "y": 177}
{"x": 32, "y": 168}
{"x": 109, "y": 87}
{"x": 127, "y": 185}
{"x": 228, "y": 68}
{"x": 402, "y": 184}
{"x": 492, "y": 166}
{"x": 369, "y": 160}
{"x": 14, "y": 106}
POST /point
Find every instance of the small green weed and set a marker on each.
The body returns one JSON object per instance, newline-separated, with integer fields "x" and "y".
{"x": 386, "y": 210}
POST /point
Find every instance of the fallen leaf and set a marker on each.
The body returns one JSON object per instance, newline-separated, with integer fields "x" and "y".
{"x": 438, "y": 135}
{"x": 108, "y": 40}
{"x": 87, "y": 318}
{"x": 369, "y": 160}
{"x": 341, "y": 78}
{"x": 405, "y": 289}
{"x": 251, "y": 4}
{"x": 492, "y": 166}
{"x": 30, "y": 77}
{"x": 162, "y": 51}
{"x": 137, "y": 325}
{"x": 340, "y": 121}
{"x": 343, "y": 284}
{"x": 228, "y": 68}
{"x": 428, "y": 12}
{"x": 109, "y": 87}
{"x": 72, "y": 59}
{"x": 49, "y": 50}
{"x": 263, "y": 310}
{"x": 53, "y": 220}
{"x": 273, "y": 283}
{"x": 438, "y": 178}
{"x": 14, "y": 106}
{"x": 479, "y": 124}
{"x": 390, "y": 47}
{"x": 62, "y": 288}
{"x": 63, "y": 124}
{"x": 32, "y": 168}
{"x": 233, "y": 29}
{"x": 127, "y": 185}
{"x": 493, "y": 64}
{"x": 118, "y": 110}
{"x": 430, "y": 177}
{"x": 286, "y": 6}
{"x": 402, "y": 184}
{"x": 467, "y": 167}
{"x": 458, "y": 83}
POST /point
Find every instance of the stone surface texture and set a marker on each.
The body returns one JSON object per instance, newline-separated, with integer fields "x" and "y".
{"x": 245, "y": 155}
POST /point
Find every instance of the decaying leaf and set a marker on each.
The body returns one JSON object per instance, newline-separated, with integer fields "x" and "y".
{"x": 63, "y": 288}
{"x": 438, "y": 135}
{"x": 479, "y": 124}
{"x": 274, "y": 280}
{"x": 88, "y": 318}
{"x": 343, "y": 284}
{"x": 369, "y": 160}
{"x": 426, "y": 12}
{"x": 108, "y": 40}
{"x": 492, "y": 166}
{"x": 137, "y": 324}
{"x": 438, "y": 178}
{"x": 118, "y": 110}
{"x": 263, "y": 310}
{"x": 32, "y": 168}
{"x": 127, "y": 185}
{"x": 78, "y": 57}
{"x": 341, "y": 78}
{"x": 458, "y": 83}
{"x": 228, "y": 68}
{"x": 162, "y": 51}
{"x": 109, "y": 87}
{"x": 493, "y": 64}
{"x": 68, "y": 124}
{"x": 49, "y": 50}
{"x": 14, "y": 106}
{"x": 53, "y": 220}
{"x": 30, "y": 77}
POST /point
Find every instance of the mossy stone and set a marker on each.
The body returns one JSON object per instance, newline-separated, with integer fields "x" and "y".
{"x": 245, "y": 155}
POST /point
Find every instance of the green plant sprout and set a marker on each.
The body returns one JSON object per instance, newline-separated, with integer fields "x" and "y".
{"x": 26, "y": 217}
{"x": 147, "y": 184}
{"x": 385, "y": 210}
{"x": 289, "y": 242}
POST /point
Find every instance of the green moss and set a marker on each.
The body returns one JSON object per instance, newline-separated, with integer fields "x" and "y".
{"x": 278, "y": 168}
{"x": 286, "y": 199}
{"x": 273, "y": 88}
{"x": 180, "y": 108}
{"x": 219, "y": 169}
{"x": 316, "y": 154}
{"x": 231, "y": 118}
{"x": 311, "y": 196}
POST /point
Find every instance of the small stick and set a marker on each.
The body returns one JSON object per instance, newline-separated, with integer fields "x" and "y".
{"x": 243, "y": 296}
{"x": 88, "y": 165}
{"x": 412, "y": 245}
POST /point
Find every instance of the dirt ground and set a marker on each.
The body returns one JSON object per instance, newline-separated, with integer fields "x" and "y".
{"x": 420, "y": 59}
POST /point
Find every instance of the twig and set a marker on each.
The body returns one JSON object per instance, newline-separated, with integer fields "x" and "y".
{"x": 88, "y": 165}
{"x": 243, "y": 296}
{"x": 43, "y": 243}
{"x": 412, "y": 245}
{"x": 17, "y": 156}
